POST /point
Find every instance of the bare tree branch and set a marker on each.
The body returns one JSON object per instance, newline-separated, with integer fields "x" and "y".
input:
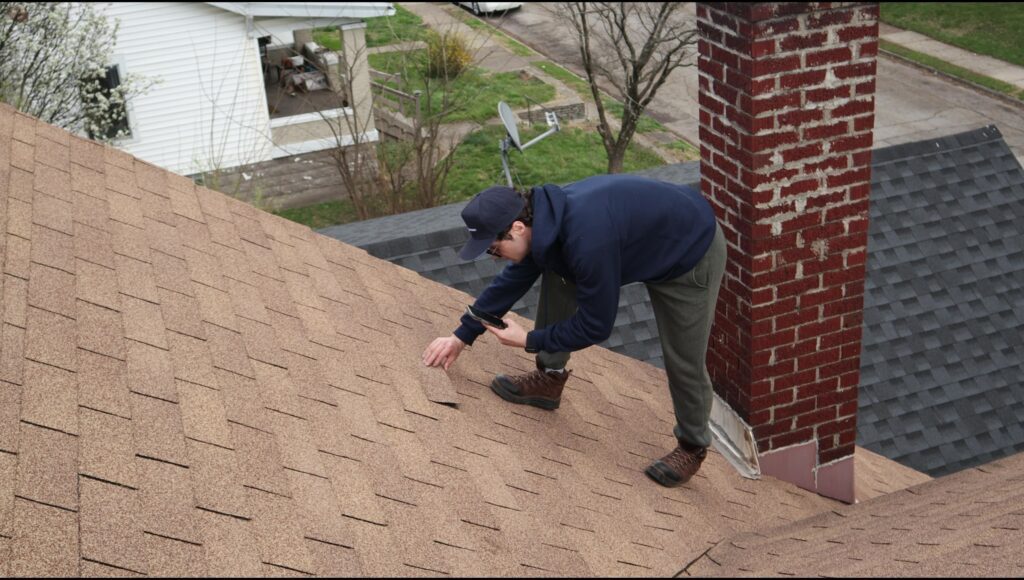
{"x": 645, "y": 42}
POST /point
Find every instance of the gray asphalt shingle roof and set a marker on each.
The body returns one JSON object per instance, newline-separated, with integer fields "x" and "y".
{"x": 941, "y": 369}
{"x": 942, "y": 359}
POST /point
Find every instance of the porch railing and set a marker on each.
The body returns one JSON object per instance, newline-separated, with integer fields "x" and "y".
{"x": 396, "y": 106}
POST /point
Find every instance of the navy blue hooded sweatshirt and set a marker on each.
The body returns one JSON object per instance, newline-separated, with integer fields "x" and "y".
{"x": 600, "y": 233}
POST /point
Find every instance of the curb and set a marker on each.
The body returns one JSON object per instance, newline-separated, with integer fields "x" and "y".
{"x": 1014, "y": 102}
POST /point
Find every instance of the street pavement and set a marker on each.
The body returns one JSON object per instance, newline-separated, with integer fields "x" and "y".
{"x": 910, "y": 104}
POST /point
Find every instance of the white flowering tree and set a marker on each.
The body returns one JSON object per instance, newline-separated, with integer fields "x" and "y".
{"x": 55, "y": 65}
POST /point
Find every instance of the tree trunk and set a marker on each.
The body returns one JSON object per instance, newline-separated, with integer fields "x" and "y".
{"x": 617, "y": 156}
{"x": 635, "y": 60}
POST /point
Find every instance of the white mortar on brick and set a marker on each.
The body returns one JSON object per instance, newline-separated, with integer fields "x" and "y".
{"x": 798, "y": 202}
{"x": 831, "y": 80}
{"x": 849, "y": 220}
{"x": 820, "y": 248}
{"x": 777, "y": 220}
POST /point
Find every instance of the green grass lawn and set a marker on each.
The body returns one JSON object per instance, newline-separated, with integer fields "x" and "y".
{"x": 647, "y": 124}
{"x": 995, "y": 29}
{"x": 321, "y": 215}
{"x": 568, "y": 155}
{"x": 691, "y": 152}
{"x": 574, "y": 82}
{"x": 477, "y": 89}
{"x": 404, "y": 26}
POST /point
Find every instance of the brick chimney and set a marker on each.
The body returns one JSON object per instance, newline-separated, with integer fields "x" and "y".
{"x": 786, "y": 116}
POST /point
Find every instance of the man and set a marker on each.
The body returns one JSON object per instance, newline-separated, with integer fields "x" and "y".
{"x": 587, "y": 240}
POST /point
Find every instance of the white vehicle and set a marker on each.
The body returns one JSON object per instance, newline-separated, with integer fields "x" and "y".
{"x": 479, "y": 8}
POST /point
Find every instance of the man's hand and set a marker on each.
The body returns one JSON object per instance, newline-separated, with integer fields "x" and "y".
{"x": 514, "y": 335}
{"x": 443, "y": 351}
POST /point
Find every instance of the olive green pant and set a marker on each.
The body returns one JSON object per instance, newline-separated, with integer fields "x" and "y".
{"x": 684, "y": 309}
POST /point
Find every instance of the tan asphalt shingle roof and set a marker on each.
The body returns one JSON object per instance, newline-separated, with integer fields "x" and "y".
{"x": 191, "y": 386}
{"x": 970, "y": 523}
{"x": 878, "y": 475}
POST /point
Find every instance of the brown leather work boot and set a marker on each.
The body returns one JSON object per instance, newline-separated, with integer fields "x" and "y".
{"x": 538, "y": 388}
{"x": 677, "y": 467}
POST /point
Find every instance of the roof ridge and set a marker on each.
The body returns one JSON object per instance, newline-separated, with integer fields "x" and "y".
{"x": 945, "y": 144}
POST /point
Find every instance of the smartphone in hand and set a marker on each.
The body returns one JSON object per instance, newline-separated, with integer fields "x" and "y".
{"x": 485, "y": 318}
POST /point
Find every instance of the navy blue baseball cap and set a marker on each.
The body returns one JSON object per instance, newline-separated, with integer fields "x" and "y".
{"x": 487, "y": 215}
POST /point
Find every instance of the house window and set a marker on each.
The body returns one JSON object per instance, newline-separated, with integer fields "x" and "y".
{"x": 118, "y": 126}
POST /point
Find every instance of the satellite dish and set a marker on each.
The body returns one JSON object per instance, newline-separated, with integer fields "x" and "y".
{"x": 508, "y": 118}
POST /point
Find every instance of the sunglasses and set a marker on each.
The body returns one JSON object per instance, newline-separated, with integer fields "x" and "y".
{"x": 493, "y": 250}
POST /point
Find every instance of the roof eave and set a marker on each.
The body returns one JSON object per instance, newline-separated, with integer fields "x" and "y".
{"x": 316, "y": 10}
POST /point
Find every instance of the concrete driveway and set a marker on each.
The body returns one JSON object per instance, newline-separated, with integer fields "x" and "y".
{"x": 910, "y": 105}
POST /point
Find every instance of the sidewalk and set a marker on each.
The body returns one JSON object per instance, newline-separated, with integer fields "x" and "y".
{"x": 985, "y": 65}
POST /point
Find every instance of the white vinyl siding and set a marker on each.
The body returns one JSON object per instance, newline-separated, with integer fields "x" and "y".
{"x": 209, "y": 108}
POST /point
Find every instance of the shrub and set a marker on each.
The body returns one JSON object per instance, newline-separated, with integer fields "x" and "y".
{"x": 447, "y": 55}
